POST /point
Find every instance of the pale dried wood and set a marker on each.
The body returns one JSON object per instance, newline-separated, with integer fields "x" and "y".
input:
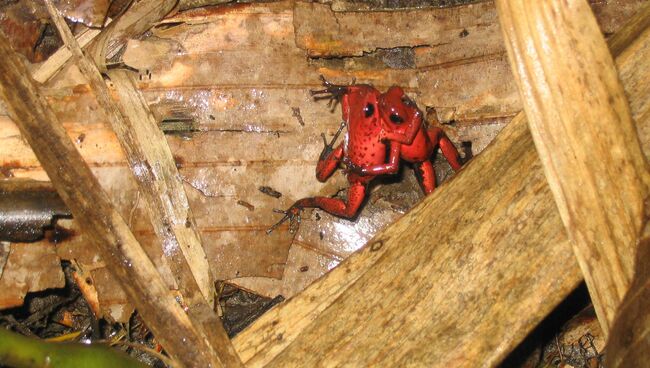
{"x": 163, "y": 190}
{"x": 469, "y": 207}
{"x": 89, "y": 204}
{"x": 624, "y": 38}
{"x": 171, "y": 215}
{"x": 155, "y": 170}
{"x": 583, "y": 131}
{"x": 633, "y": 55}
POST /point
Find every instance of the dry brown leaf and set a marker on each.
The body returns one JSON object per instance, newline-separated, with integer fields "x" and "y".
{"x": 30, "y": 267}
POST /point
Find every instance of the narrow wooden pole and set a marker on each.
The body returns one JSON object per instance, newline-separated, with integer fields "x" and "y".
{"x": 164, "y": 196}
{"x": 477, "y": 315}
{"x": 155, "y": 171}
{"x": 89, "y": 204}
{"x": 171, "y": 215}
{"x": 583, "y": 132}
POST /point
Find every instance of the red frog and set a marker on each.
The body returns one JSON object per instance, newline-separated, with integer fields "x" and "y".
{"x": 404, "y": 128}
{"x": 361, "y": 148}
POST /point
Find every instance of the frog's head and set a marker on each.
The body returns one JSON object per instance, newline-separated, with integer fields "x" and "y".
{"x": 393, "y": 105}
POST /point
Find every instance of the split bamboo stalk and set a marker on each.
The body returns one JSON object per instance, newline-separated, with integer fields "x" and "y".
{"x": 584, "y": 134}
{"x": 139, "y": 18}
{"x": 549, "y": 270}
{"x": 89, "y": 204}
{"x": 153, "y": 165}
{"x": 164, "y": 195}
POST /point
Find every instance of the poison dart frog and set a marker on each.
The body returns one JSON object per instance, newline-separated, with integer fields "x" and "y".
{"x": 377, "y": 125}
{"x": 403, "y": 126}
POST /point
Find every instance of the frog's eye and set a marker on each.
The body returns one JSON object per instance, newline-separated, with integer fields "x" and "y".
{"x": 369, "y": 110}
{"x": 396, "y": 119}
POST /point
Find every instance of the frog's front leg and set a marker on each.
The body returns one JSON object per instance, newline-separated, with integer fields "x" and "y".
{"x": 328, "y": 162}
{"x": 329, "y": 157}
{"x": 389, "y": 168}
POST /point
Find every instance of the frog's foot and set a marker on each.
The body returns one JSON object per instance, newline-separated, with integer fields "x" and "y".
{"x": 292, "y": 215}
{"x": 332, "y": 92}
{"x": 351, "y": 167}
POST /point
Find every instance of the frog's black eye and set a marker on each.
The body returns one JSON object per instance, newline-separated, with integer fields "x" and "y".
{"x": 396, "y": 119}
{"x": 369, "y": 110}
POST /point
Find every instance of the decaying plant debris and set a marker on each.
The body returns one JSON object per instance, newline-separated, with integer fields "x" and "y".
{"x": 221, "y": 112}
{"x": 217, "y": 76}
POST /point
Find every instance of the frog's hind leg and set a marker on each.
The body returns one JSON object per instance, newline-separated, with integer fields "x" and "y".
{"x": 439, "y": 138}
{"x": 337, "y": 206}
{"x": 426, "y": 175}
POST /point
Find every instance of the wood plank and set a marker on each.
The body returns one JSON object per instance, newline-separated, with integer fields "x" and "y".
{"x": 164, "y": 193}
{"x": 56, "y": 61}
{"x": 585, "y": 137}
{"x": 349, "y": 302}
{"x": 88, "y": 203}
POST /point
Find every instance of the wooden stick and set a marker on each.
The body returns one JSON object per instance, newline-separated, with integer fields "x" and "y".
{"x": 162, "y": 187}
{"x": 155, "y": 171}
{"x": 171, "y": 215}
{"x": 583, "y": 132}
{"x": 136, "y": 20}
{"x": 482, "y": 306}
{"x": 90, "y": 206}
